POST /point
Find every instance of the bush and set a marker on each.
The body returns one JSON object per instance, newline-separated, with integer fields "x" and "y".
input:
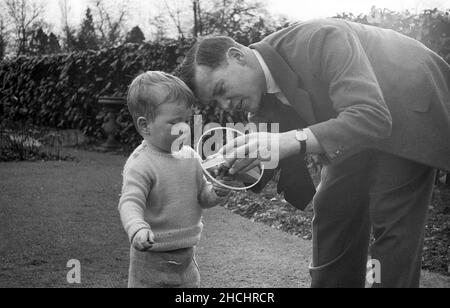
{"x": 61, "y": 91}
{"x": 19, "y": 143}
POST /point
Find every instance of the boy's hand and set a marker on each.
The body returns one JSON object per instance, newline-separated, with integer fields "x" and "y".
{"x": 144, "y": 240}
{"x": 220, "y": 191}
{"x": 222, "y": 174}
{"x": 244, "y": 178}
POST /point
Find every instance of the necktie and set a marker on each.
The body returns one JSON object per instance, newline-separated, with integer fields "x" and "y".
{"x": 295, "y": 181}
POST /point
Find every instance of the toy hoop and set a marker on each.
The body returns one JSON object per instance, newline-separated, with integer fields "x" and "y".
{"x": 210, "y": 176}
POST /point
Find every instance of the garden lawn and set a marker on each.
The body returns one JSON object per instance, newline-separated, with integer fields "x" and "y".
{"x": 52, "y": 212}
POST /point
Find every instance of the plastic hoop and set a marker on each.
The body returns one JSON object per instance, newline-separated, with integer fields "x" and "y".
{"x": 210, "y": 176}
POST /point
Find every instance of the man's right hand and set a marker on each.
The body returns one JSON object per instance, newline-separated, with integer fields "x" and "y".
{"x": 144, "y": 240}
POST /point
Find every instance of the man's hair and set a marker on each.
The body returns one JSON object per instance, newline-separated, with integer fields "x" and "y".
{"x": 151, "y": 89}
{"x": 207, "y": 51}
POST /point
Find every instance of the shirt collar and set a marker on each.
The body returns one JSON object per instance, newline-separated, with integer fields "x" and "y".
{"x": 272, "y": 86}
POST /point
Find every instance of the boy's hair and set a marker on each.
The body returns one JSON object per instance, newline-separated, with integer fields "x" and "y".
{"x": 151, "y": 89}
{"x": 207, "y": 51}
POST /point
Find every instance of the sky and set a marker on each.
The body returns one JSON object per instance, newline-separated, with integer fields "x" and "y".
{"x": 142, "y": 10}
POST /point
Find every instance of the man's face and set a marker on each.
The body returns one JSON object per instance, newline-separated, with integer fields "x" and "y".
{"x": 235, "y": 86}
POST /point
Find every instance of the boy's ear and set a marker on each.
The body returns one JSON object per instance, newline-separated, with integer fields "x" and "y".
{"x": 143, "y": 125}
{"x": 236, "y": 54}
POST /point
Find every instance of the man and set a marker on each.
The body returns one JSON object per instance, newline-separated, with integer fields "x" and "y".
{"x": 376, "y": 105}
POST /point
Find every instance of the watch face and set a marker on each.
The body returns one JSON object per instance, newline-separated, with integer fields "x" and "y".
{"x": 302, "y": 136}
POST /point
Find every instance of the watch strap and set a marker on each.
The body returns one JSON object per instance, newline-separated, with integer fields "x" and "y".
{"x": 302, "y": 144}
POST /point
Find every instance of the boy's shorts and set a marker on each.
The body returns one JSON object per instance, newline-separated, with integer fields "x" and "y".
{"x": 173, "y": 269}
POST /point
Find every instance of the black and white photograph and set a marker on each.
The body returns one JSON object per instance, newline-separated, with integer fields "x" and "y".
{"x": 226, "y": 151}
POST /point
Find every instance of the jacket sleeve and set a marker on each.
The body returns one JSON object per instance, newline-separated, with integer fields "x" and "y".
{"x": 338, "y": 59}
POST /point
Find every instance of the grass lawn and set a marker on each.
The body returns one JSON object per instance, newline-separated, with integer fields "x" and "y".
{"x": 55, "y": 221}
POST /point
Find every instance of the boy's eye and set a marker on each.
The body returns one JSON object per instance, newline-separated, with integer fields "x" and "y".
{"x": 178, "y": 122}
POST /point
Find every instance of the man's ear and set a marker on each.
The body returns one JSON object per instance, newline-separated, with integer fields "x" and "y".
{"x": 236, "y": 54}
{"x": 143, "y": 125}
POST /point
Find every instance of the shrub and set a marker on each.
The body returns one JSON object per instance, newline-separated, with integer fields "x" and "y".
{"x": 18, "y": 143}
{"x": 61, "y": 91}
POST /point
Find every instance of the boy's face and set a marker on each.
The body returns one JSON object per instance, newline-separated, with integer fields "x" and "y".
{"x": 167, "y": 116}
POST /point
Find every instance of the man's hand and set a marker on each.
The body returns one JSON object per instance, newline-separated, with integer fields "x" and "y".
{"x": 248, "y": 152}
{"x": 144, "y": 240}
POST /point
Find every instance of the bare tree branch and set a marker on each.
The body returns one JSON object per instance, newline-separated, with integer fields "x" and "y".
{"x": 175, "y": 18}
{"x": 24, "y": 13}
{"x": 109, "y": 23}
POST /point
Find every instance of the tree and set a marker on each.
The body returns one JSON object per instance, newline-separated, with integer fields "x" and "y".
{"x": 175, "y": 11}
{"x": 198, "y": 25}
{"x": 246, "y": 21}
{"x": 42, "y": 43}
{"x": 135, "y": 36}
{"x": 3, "y": 38}
{"x": 161, "y": 28}
{"x": 235, "y": 18}
{"x": 110, "y": 22}
{"x": 24, "y": 13}
{"x": 69, "y": 39}
{"x": 53, "y": 44}
{"x": 87, "y": 37}
{"x": 38, "y": 44}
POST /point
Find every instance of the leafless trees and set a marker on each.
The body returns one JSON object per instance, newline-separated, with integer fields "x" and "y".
{"x": 106, "y": 22}
{"x": 3, "y": 37}
{"x": 23, "y": 13}
{"x": 109, "y": 20}
{"x": 203, "y": 17}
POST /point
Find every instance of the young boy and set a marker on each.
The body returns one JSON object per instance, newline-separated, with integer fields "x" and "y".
{"x": 163, "y": 193}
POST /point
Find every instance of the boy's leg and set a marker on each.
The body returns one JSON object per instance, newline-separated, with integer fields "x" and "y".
{"x": 191, "y": 276}
{"x": 173, "y": 269}
{"x": 400, "y": 197}
{"x": 341, "y": 228}
{"x": 146, "y": 270}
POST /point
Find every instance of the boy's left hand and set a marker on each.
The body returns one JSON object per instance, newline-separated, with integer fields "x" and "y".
{"x": 220, "y": 191}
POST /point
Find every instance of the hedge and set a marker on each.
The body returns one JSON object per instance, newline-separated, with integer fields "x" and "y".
{"x": 61, "y": 91}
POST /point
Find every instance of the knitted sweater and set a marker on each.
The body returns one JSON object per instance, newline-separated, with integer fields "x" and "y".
{"x": 162, "y": 192}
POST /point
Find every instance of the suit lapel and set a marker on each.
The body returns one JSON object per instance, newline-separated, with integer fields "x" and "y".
{"x": 288, "y": 82}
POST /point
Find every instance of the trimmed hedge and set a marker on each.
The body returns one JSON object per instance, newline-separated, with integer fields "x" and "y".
{"x": 61, "y": 91}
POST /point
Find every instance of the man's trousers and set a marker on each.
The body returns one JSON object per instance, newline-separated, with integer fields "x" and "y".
{"x": 376, "y": 192}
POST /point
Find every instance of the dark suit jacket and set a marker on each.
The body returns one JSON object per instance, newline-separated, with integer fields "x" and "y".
{"x": 361, "y": 87}
{"x": 295, "y": 181}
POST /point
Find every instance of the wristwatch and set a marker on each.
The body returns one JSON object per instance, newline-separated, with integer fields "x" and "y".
{"x": 302, "y": 137}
